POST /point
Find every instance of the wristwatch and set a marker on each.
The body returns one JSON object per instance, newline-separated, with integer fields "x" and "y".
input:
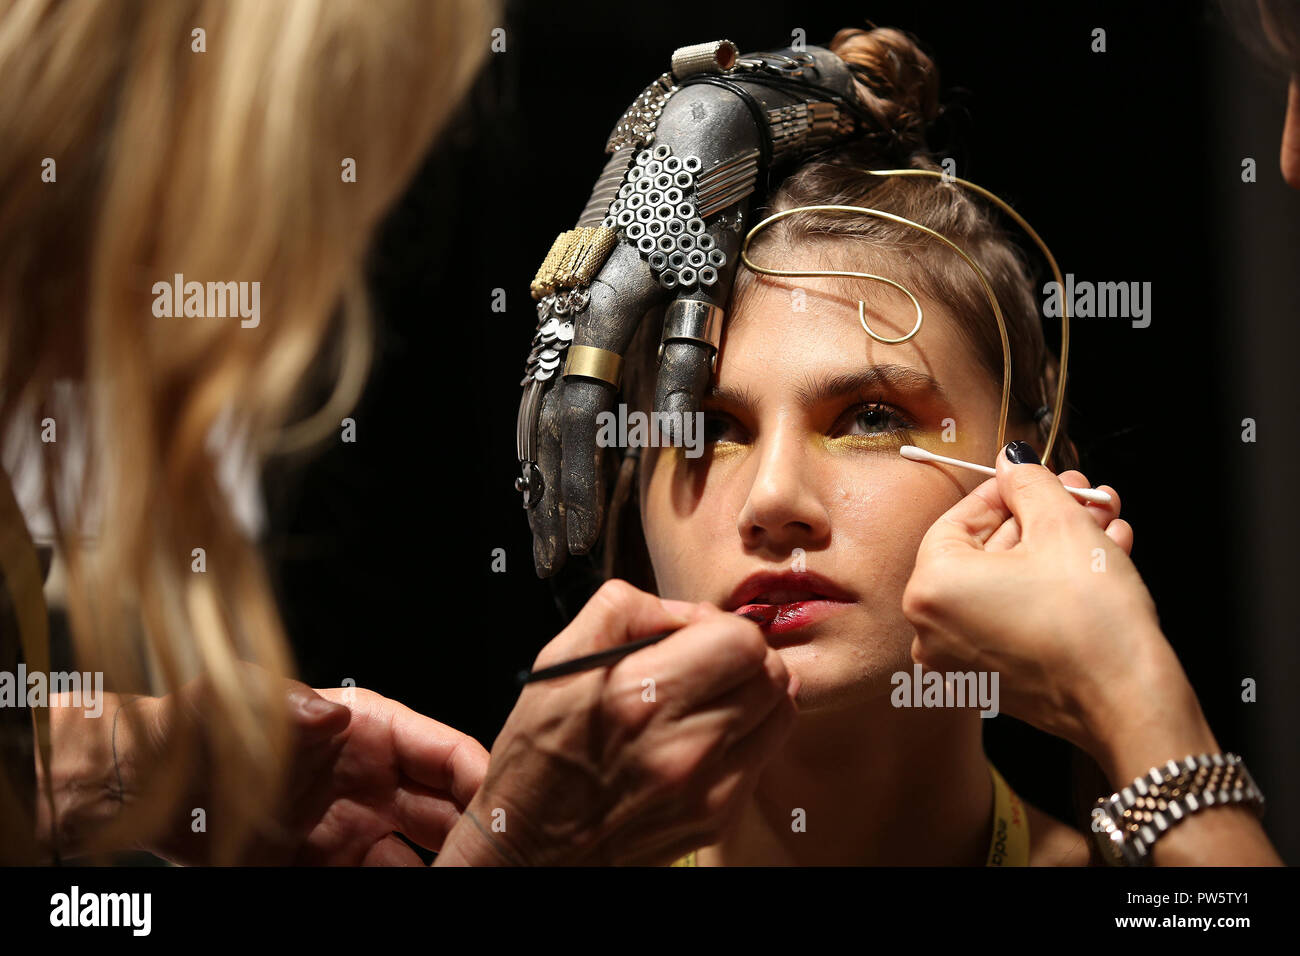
{"x": 1128, "y": 822}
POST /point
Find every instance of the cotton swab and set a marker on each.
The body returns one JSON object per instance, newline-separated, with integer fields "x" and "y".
{"x": 920, "y": 454}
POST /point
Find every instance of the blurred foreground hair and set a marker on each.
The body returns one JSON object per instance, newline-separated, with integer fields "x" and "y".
{"x": 216, "y": 155}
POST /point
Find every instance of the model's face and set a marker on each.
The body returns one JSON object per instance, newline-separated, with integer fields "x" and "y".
{"x": 801, "y": 470}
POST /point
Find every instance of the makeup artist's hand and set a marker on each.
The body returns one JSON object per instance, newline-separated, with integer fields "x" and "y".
{"x": 364, "y": 766}
{"x": 635, "y": 763}
{"x": 1021, "y": 578}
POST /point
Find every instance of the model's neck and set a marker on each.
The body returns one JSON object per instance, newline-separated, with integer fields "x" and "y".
{"x": 876, "y": 786}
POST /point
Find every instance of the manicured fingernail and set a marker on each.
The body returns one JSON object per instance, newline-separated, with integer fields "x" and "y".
{"x": 1021, "y": 453}
{"x": 316, "y": 707}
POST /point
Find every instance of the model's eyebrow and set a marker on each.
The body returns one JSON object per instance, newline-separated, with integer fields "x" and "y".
{"x": 899, "y": 378}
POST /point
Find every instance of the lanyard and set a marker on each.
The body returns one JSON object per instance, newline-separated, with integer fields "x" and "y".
{"x": 1009, "y": 845}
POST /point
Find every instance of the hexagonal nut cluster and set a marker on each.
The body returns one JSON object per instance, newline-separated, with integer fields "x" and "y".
{"x": 655, "y": 211}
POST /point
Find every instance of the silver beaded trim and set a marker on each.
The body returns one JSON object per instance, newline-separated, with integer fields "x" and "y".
{"x": 554, "y": 332}
{"x": 550, "y": 343}
{"x": 636, "y": 128}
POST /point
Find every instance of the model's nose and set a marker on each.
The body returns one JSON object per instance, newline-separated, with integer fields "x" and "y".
{"x": 783, "y": 503}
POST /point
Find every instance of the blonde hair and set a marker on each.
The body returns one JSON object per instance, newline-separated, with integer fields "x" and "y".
{"x": 219, "y": 165}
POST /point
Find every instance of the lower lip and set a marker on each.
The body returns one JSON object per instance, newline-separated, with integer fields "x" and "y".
{"x": 779, "y": 619}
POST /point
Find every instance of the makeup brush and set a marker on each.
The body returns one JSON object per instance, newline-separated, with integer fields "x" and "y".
{"x": 920, "y": 454}
{"x": 600, "y": 658}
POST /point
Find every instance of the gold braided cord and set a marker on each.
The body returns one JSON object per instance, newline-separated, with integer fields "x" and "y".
{"x": 879, "y": 214}
{"x": 574, "y": 259}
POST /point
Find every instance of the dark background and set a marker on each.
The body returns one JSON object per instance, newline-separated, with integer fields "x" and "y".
{"x": 1127, "y": 162}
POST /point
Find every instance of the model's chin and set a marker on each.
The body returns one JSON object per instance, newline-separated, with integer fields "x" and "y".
{"x": 836, "y": 671}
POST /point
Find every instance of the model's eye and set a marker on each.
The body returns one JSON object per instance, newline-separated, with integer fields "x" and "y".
{"x": 875, "y": 418}
{"x": 721, "y": 427}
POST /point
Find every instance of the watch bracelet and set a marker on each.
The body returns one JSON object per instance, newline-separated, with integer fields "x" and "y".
{"x": 1137, "y": 815}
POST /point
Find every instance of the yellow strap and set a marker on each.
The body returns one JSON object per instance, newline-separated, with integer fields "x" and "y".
{"x": 24, "y": 581}
{"x": 1009, "y": 845}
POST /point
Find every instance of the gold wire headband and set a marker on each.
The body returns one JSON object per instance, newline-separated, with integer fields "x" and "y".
{"x": 920, "y": 314}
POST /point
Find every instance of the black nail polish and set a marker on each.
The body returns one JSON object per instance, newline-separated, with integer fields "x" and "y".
{"x": 1022, "y": 453}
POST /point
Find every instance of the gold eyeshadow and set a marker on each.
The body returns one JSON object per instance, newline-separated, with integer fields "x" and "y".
{"x": 886, "y": 441}
{"x": 722, "y": 449}
{"x": 710, "y": 452}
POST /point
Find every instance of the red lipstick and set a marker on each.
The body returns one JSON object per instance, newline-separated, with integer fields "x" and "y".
{"x": 783, "y": 602}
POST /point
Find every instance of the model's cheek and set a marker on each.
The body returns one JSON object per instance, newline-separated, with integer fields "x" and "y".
{"x": 665, "y": 545}
{"x": 887, "y": 535}
{"x": 677, "y": 533}
{"x": 656, "y": 522}
{"x": 882, "y": 514}
{"x": 705, "y": 484}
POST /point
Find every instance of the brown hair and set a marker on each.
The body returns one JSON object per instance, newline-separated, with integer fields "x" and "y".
{"x": 1269, "y": 29}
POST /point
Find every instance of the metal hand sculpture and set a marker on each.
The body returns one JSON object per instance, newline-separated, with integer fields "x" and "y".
{"x": 663, "y": 226}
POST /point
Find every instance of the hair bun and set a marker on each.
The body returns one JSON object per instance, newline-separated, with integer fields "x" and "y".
{"x": 897, "y": 82}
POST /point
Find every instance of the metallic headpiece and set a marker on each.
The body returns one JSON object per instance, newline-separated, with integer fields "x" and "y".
{"x": 663, "y": 225}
